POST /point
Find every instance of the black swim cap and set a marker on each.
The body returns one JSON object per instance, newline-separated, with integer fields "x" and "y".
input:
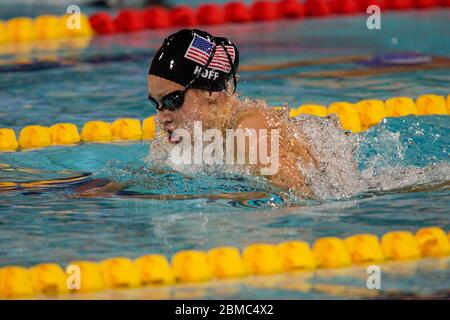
{"x": 186, "y": 53}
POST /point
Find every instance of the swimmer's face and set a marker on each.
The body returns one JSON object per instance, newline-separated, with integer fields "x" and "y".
{"x": 195, "y": 106}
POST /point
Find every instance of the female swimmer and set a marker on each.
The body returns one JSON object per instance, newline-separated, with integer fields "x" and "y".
{"x": 192, "y": 78}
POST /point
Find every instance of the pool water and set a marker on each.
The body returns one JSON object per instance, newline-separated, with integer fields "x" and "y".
{"x": 105, "y": 79}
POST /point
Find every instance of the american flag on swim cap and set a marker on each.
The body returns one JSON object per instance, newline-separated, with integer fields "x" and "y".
{"x": 200, "y": 50}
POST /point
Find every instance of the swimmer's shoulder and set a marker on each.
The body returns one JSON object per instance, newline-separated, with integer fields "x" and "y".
{"x": 253, "y": 115}
{"x": 251, "y": 121}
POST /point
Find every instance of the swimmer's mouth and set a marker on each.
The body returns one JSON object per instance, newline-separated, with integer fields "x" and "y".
{"x": 173, "y": 138}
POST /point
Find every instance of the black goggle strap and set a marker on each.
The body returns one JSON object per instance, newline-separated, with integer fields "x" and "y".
{"x": 232, "y": 66}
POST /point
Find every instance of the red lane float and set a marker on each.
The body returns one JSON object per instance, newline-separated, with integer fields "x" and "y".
{"x": 424, "y": 4}
{"x": 264, "y": 10}
{"x": 291, "y": 9}
{"x": 236, "y": 12}
{"x": 383, "y": 4}
{"x": 401, "y": 4}
{"x": 210, "y": 13}
{"x": 317, "y": 8}
{"x": 102, "y": 23}
{"x": 345, "y": 6}
{"x": 156, "y": 18}
{"x": 182, "y": 16}
{"x": 130, "y": 20}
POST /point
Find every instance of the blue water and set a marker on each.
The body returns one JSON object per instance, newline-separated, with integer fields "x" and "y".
{"x": 106, "y": 79}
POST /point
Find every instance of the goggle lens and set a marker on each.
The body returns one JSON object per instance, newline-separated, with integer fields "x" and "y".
{"x": 172, "y": 101}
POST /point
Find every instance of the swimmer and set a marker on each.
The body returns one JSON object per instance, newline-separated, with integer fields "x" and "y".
{"x": 193, "y": 77}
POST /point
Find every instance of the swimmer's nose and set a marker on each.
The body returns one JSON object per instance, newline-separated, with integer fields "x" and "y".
{"x": 164, "y": 117}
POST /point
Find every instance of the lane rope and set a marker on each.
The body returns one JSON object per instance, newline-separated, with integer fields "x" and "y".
{"x": 355, "y": 117}
{"x": 194, "y": 266}
{"x": 51, "y": 27}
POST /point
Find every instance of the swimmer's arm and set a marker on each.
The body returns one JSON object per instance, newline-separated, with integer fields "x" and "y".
{"x": 114, "y": 188}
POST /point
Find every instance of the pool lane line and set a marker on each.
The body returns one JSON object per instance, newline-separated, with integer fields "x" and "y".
{"x": 375, "y": 70}
{"x": 221, "y": 263}
{"x": 354, "y": 117}
{"x": 404, "y": 59}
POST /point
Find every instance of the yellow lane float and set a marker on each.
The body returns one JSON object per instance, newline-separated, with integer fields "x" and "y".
{"x": 431, "y": 104}
{"x": 96, "y": 131}
{"x": 262, "y": 258}
{"x": 364, "y": 248}
{"x": 15, "y": 282}
{"x": 400, "y": 106}
{"x": 348, "y": 115}
{"x": 370, "y": 112}
{"x": 296, "y": 255}
{"x": 400, "y": 245}
{"x": 226, "y": 262}
{"x": 91, "y": 277}
{"x": 64, "y": 133}
{"x": 190, "y": 266}
{"x": 331, "y": 252}
{"x": 21, "y": 29}
{"x": 4, "y": 33}
{"x": 8, "y": 140}
{"x": 126, "y": 129}
{"x": 155, "y": 269}
{"x": 34, "y": 137}
{"x": 433, "y": 242}
{"x": 48, "y": 27}
{"x": 120, "y": 272}
{"x": 49, "y": 279}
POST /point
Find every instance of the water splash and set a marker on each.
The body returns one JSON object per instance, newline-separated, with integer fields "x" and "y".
{"x": 405, "y": 152}
{"x": 337, "y": 176}
{"x": 399, "y": 153}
